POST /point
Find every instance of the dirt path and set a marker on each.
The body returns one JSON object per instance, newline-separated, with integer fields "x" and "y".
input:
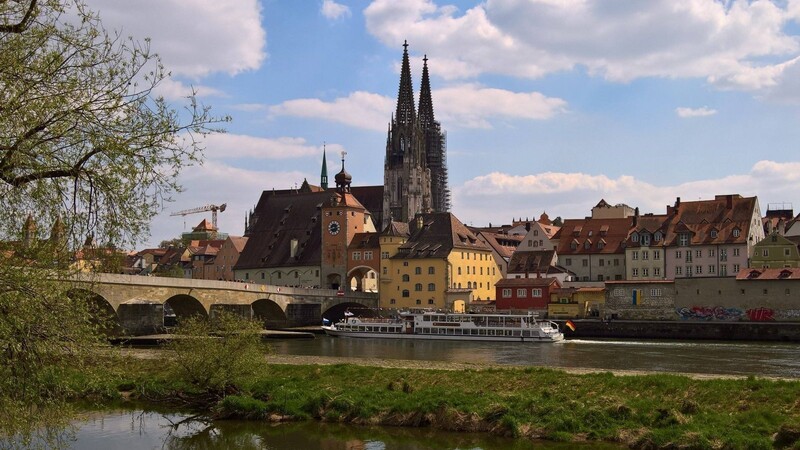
{"x": 416, "y": 364}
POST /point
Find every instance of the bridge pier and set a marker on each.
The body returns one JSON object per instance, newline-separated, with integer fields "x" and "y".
{"x": 141, "y": 318}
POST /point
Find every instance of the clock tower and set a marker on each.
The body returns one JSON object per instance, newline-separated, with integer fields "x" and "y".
{"x": 342, "y": 217}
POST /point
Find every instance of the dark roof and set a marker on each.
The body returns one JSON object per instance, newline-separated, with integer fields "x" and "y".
{"x": 514, "y": 282}
{"x": 531, "y": 261}
{"x": 281, "y": 218}
{"x": 372, "y": 199}
{"x": 435, "y": 235}
{"x": 593, "y": 236}
{"x": 502, "y": 243}
{"x": 365, "y": 240}
{"x": 396, "y": 229}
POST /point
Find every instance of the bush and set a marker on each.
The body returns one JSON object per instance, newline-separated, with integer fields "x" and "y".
{"x": 217, "y": 359}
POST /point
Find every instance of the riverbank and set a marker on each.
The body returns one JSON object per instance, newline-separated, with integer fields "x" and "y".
{"x": 636, "y": 410}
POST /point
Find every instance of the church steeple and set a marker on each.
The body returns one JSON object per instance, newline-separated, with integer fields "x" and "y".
{"x": 425, "y": 102}
{"x": 405, "y": 95}
{"x": 323, "y": 182}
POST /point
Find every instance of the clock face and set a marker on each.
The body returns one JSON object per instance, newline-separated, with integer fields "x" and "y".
{"x": 334, "y": 227}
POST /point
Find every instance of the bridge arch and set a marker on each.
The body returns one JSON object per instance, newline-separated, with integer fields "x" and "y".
{"x": 102, "y": 313}
{"x": 269, "y": 313}
{"x": 362, "y": 279}
{"x": 336, "y": 313}
{"x": 183, "y": 306}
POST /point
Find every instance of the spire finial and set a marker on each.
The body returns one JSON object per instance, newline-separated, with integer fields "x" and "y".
{"x": 405, "y": 45}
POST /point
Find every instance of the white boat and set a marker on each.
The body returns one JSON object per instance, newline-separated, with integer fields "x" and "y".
{"x": 448, "y": 326}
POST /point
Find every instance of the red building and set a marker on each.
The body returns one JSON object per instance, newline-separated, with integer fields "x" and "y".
{"x": 525, "y": 293}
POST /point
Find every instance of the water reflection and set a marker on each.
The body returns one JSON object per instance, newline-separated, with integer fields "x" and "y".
{"x": 151, "y": 430}
{"x": 727, "y": 358}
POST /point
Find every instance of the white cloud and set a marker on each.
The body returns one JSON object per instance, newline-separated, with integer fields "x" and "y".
{"x": 194, "y": 39}
{"x": 684, "y": 112}
{"x": 457, "y": 106}
{"x": 359, "y": 109}
{"x": 172, "y": 89}
{"x": 333, "y": 11}
{"x": 225, "y": 145}
{"x": 734, "y": 44}
{"x": 498, "y": 197}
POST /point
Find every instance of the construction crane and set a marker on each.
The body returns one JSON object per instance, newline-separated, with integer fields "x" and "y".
{"x": 212, "y": 208}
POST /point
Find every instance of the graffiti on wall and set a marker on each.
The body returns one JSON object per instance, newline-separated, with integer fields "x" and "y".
{"x": 788, "y": 314}
{"x": 710, "y": 313}
{"x": 761, "y": 314}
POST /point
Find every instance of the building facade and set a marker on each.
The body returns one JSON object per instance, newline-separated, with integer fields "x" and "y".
{"x": 529, "y": 294}
{"x": 775, "y": 251}
{"x": 593, "y": 249}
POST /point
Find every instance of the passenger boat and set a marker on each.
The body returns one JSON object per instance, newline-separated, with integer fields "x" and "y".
{"x": 448, "y": 326}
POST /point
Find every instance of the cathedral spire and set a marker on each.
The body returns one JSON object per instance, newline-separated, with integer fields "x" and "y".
{"x": 405, "y": 95}
{"x": 425, "y": 102}
{"x": 323, "y": 182}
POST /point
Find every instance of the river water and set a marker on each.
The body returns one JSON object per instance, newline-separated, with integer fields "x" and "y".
{"x": 764, "y": 359}
{"x": 137, "y": 429}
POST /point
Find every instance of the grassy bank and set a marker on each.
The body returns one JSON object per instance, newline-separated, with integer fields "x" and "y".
{"x": 646, "y": 411}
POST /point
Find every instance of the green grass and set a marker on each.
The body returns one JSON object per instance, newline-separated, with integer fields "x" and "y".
{"x": 639, "y": 411}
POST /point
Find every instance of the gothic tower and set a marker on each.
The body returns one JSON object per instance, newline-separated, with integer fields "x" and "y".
{"x": 406, "y": 177}
{"x": 435, "y": 145}
{"x": 323, "y": 181}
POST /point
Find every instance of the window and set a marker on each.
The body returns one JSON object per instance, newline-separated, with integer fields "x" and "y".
{"x": 418, "y": 287}
{"x": 698, "y": 269}
{"x": 688, "y": 256}
{"x": 635, "y": 255}
{"x": 635, "y": 237}
{"x": 712, "y": 269}
{"x": 406, "y": 293}
{"x": 406, "y": 277}
{"x": 788, "y": 291}
{"x": 678, "y": 254}
{"x": 356, "y": 256}
{"x": 568, "y": 262}
{"x": 645, "y": 239}
{"x": 711, "y": 252}
{"x": 678, "y": 270}
{"x": 656, "y": 271}
{"x": 418, "y": 271}
{"x": 536, "y": 232}
{"x": 384, "y": 255}
{"x": 645, "y": 272}
{"x": 368, "y": 255}
{"x": 736, "y": 232}
{"x": 430, "y": 301}
{"x": 616, "y": 262}
{"x": 602, "y": 262}
{"x": 723, "y": 270}
{"x": 431, "y": 270}
{"x": 736, "y": 268}
{"x": 535, "y": 243}
{"x": 765, "y": 252}
{"x": 585, "y": 262}
{"x": 683, "y": 239}
{"x": 698, "y": 253}
{"x": 459, "y": 270}
{"x": 573, "y": 245}
{"x": 656, "y": 254}
{"x": 619, "y": 292}
{"x": 506, "y": 293}
{"x": 657, "y": 236}
{"x": 431, "y": 287}
{"x": 635, "y": 272}
{"x": 405, "y": 263}
{"x": 645, "y": 255}
{"x": 713, "y": 233}
{"x": 688, "y": 271}
{"x": 522, "y": 293}
{"x": 655, "y": 292}
{"x": 786, "y": 252}
{"x": 530, "y": 243}
{"x": 536, "y": 292}
{"x": 385, "y": 270}
{"x": 736, "y": 252}
{"x": 419, "y": 302}
{"x": 392, "y": 301}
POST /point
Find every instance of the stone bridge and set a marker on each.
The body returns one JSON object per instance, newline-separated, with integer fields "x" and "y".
{"x": 140, "y": 304}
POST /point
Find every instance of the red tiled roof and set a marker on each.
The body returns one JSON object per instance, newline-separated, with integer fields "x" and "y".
{"x": 611, "y": 232}
{"x": 787, "y": 273}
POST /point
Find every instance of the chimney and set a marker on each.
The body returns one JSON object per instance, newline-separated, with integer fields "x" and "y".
{"x": 677, "y": 203}
{"x": 527, "y": 226}
{"x": 635, "y": 217}
{"x": 729, "y": 201}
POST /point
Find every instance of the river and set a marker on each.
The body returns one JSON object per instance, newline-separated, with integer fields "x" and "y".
{"x": 763, "y": 359}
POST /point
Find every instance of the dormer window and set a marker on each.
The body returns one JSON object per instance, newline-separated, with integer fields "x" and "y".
{"x": 736, "y": 232}
{"x": 645, "y": 239}
{"x": 657, "y": 236}
{"x": 573, "y": 245}
{"x": 635, "y": 237}
{"x": 713, "y": 234}
{"x": 683, "y": 239}
{"x": 587, "y": 245}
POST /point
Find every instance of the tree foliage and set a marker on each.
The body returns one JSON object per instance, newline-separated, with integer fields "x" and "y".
{"x": 87, "y": 148}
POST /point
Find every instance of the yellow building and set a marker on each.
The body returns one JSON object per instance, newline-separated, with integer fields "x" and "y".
{"x": 434, "y": 262}
{"x": 570, "y": 303}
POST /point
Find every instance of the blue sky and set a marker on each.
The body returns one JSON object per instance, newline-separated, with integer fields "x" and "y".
{"x": 549, "y": 105}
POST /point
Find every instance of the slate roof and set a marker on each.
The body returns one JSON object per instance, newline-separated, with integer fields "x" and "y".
{"x": 440, "y": 233}
{"x": 531, "y": 261}
{"x": 365, "y": 241}
{"x": 514, "y": 282}
{"x": 281, "y": 218}
{"x": 593, "y": 236}
{"x": 702, "y": 218}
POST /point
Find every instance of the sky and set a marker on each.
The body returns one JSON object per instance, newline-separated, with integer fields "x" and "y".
{"x": 549, "y": 105}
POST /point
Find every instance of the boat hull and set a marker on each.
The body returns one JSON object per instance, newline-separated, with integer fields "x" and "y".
{"x": 332, "y": 331}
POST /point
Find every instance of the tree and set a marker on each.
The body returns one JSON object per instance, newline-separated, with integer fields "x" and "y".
{"x": 87, "y": 144}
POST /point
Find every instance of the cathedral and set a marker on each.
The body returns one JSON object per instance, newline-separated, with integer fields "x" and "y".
{"x": 415, "y": 167}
